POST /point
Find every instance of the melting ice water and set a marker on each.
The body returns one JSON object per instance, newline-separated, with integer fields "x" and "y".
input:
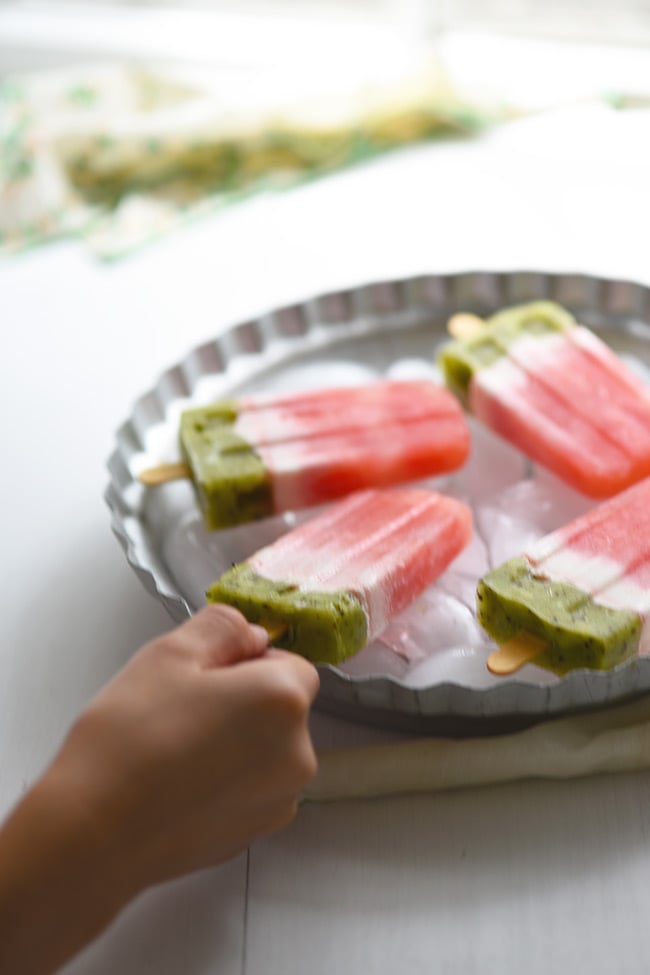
{"x": 436, "y": 640}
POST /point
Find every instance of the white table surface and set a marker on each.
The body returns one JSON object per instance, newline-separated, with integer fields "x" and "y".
{"x": 527, "y": 878}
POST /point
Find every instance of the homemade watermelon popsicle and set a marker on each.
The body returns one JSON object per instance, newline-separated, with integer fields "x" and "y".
{"x": 580, "y": 596}
{"x": 557, "y": 392}
{"x": 262, "y": 454}
{"x": 334, "y": 583}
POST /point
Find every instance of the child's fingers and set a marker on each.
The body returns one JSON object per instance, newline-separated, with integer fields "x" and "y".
{"x": 219, "y": 636}
{"x": 303, "y": 670}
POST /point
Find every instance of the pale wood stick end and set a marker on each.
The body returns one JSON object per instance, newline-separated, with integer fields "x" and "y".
{"x": 275, "y": 629}
{"x": 163, "y": 473}
{"x": 513, "y": 654}
{"x": 464, "y": 325}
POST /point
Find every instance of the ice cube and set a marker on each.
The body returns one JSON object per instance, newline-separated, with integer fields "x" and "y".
{"x": 413, "y": 369}
{"x": 375, "y": 659}
{"x": 435, "y": 621}
{"x": 461, "y": 578}
{"x": 510, "y": 520}
{"x": 492, "y": 465}
{"x": 462, "y": 665}
{"x": 559, "y": 503}
{"x": 506, "y": 535}
{"x": 311, "y": 376}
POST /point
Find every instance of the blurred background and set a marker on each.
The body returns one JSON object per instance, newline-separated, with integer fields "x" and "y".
{"x": 265, "y": 31}
{"x": 119, "y": 118}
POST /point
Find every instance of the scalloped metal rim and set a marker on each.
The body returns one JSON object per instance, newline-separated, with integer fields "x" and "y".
{"x": 386, "y": 700}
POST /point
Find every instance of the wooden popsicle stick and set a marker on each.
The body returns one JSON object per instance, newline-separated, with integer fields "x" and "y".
{"x": 275, "y": 630}
{"x": 163, "y": 473}
{"x": 513, "y": 654}
{"x": 464, "y": 325}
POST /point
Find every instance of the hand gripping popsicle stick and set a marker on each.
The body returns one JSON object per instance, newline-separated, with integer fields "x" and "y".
{"x": 556, "y": 392}
{"x": 335, "y": 582}
{"x": 583, "y": 591}
{"x": 258, "y": 455}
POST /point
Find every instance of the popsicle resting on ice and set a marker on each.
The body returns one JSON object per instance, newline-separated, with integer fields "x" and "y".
{"x": 582, "y": 591}
{"x": 261, "y": 454}
{"x": 334, "y": 583}
{"x": 557, "y": 392}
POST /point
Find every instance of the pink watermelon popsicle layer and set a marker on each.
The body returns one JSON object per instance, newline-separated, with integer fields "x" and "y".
{"x": 558, "y": 393}
{"x": 584, "y": 590}
{"x": 258, "y": 455}
{"x": 334, "y": 583}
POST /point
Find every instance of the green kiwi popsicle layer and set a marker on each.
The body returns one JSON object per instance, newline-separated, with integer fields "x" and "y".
{"x": 231, "y": 482}
{"x": 323, "y": 626}
{"x": 577, "y": 631}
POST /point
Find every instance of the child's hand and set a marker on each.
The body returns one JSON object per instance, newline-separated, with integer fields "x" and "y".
{"x": 199, "y": 745}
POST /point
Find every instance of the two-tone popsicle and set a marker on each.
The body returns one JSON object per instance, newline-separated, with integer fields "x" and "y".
{"x": 334, "y": 583}
{"x": 582, "y": 593}
{"x": 262, "y": 454}
{"x": 557, "y": 392}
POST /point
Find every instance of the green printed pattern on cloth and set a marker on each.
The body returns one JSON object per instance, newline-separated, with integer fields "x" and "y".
{"x": 121, "y": 156}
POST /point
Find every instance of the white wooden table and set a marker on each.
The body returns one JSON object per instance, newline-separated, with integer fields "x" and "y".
{"x": 531, "y": 877}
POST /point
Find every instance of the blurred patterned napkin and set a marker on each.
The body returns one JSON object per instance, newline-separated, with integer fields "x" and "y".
{"x": 607, "y": 740}
{"x": 121, "y": 155}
